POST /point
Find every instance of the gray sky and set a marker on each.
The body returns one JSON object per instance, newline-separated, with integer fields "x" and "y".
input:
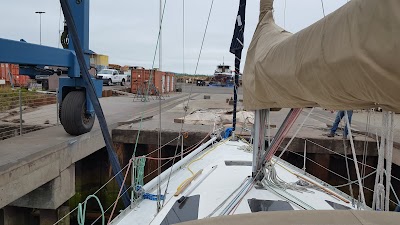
{"x": 126, "y": 30}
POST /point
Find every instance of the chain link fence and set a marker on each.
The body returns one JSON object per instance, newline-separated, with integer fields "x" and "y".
{"x": 23, "y": 111}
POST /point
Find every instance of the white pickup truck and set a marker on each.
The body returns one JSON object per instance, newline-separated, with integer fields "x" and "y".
{"x": 110, "y": 76}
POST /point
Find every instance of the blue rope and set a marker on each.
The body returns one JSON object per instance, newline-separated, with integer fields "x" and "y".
{"x": 228, "y": 132}
{"x": 141, "y": 193}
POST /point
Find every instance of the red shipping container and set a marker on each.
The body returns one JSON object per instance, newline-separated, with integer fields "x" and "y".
{"x": 6, "y": 70}
{"x": 3, "y": 71}
{"x": 140, "y": 79}
{"x": 14, "y": 69}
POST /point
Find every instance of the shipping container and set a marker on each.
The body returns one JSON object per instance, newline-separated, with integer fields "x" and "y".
{"x": 168, "y": 82}
{"x": 140, "y": 79}
{"x": 2, "y": 71}
{"x": 17, "y": 79}
{"x": 172, "y": 83}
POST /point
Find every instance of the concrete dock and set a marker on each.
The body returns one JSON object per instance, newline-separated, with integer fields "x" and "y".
{"x": 46, "y": 158}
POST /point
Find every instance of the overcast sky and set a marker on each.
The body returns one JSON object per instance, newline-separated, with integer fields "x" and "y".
{"x": 126, "y": 30}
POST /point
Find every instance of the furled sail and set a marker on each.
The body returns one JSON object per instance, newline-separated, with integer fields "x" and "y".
{"x": 348, "y": 60}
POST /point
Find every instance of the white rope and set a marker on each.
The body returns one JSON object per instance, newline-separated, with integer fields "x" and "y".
{"x": 365, "y": 152}
{"x": 376, "y": 203}
{"x": 355, "y": 160}
{"x": 389, "y": 158}
{"x": 272, "y": 179}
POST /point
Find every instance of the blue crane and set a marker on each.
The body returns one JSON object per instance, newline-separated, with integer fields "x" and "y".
{"x": 79, "y": 92}
{"x": 77, "y": 114}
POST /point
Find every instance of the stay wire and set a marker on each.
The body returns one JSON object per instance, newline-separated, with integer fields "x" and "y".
{"x": 284, "y": 16}
{"x": 330, "y": 150}
{"x": 323, "y": 8}
{"x": 190, "y": 94}
{"x": 369, "y": 189}
{"x": 151, "y": 76}
{"x": 59, "y": 29}
{"x": 160, "y": 118}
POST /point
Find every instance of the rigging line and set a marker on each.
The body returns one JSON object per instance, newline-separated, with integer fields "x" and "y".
{"x": 159, "y": 131}
{"x": 175, "y": 156}
{"x": 284, "y": 16}
{"x": 367, "y": 188}
{"x": 347, "y": 169}
{"x": 94, "y": 222}
{"x": 365, "y": 152}
{"x": 169, "y": 161}
{"x": 330, "y": 150}
{"x": 158, "y": 148}
{"x": 323, "y": 8}
{"x": 119, "y": 193}
{"x": 94, "y": 193}
{"x": 294, "y": 135}
{"x": 361, "y": 192}
{"x": 343, "y": 177}
{"x": 226, "y": 199}
{"x": 347, "y": 165}
{"x": 59, "y": 29}
{"x": 355, "y": 181}
{"x": 183, "y": 38}
{"x": 151, "y": 77}
{"x": 191, "y": 89}
{"x": 389, "y": 158}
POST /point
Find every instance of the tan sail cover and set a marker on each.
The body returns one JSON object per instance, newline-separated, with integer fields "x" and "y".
{"x": 348, "y": 60}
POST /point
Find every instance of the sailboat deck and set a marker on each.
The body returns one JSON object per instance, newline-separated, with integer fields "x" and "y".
{"x": 220, "y": 183}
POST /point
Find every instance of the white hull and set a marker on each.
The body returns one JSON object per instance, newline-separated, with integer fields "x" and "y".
{"x": 221, "y": 182}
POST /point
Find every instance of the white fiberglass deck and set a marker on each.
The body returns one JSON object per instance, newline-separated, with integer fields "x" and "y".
{"x": 221, "y": 183}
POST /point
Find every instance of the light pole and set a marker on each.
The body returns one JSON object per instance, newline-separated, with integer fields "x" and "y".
{"x": 40, "y": 15}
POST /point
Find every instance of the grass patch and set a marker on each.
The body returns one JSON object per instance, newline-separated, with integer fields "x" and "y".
{"x": 9, "y": 98}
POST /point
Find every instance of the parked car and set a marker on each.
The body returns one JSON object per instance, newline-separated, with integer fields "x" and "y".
{"x": 200, "y": 83}
{"x": 110, "y": 76}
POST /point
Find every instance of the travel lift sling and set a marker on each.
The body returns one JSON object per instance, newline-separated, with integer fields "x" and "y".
{"x": 77, "y": 114}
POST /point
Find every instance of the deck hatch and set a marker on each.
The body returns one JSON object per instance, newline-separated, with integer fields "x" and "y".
{"x": 337, "y": 206}
{"x": 187, "y": 211}
{"x": 238, "y": 163}
{"x": 259, "y": 205}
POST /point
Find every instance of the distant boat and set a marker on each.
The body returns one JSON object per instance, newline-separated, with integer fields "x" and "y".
{"x": 222, "y": 76}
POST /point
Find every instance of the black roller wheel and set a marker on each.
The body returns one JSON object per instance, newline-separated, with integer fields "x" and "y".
{"x": 74, "y": 118}
{"x": 59, "y": 112}
{"x": 123, "y": 82}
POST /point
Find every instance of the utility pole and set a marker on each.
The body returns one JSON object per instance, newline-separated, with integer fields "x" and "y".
{"x": 40, "y": 31}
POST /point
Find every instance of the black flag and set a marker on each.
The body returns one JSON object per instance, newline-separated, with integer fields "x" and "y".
{"x": 237, "y": 40}
{"x": 236, "y": 48}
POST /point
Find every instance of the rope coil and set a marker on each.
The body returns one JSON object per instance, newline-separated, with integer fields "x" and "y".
{"x": 82, "y": 210}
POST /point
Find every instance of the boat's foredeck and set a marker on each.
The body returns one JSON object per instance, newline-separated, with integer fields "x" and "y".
{"x": 212, "y": 190}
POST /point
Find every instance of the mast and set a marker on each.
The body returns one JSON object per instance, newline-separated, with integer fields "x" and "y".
{"x": 236, "y": 49}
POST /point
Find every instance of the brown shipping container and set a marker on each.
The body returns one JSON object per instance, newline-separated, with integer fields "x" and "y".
{"x": 141, "y": 77}
{"x": 2, "y": 71}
